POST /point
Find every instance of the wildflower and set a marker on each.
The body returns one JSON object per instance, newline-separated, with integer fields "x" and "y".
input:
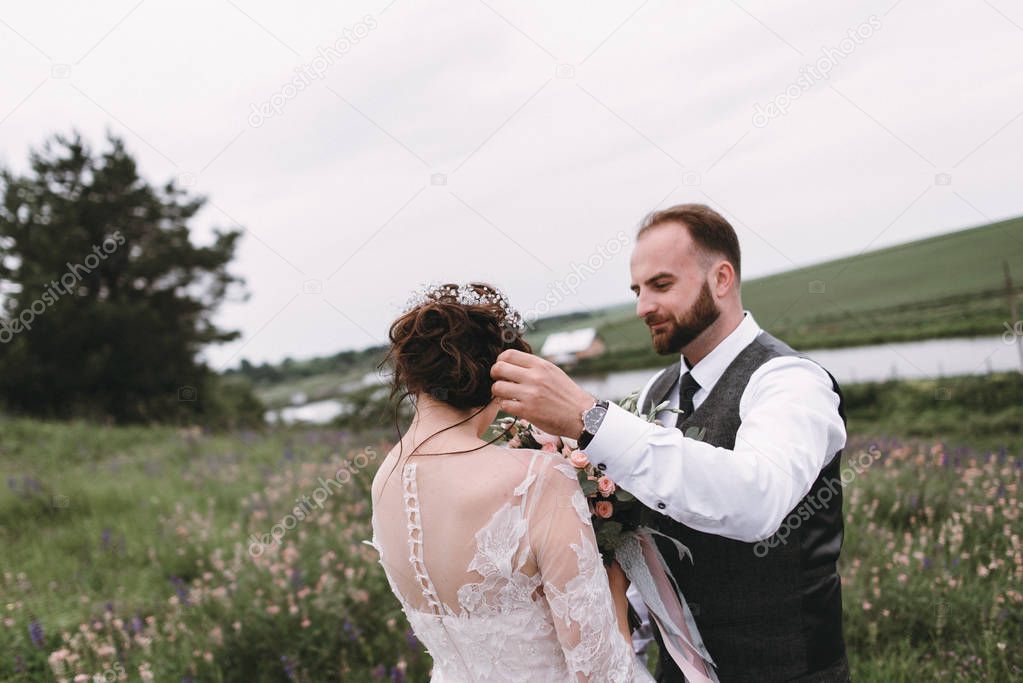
{"x": 35, "y": 631}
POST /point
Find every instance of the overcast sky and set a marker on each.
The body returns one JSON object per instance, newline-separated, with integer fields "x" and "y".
{"x": 513, "y": 142}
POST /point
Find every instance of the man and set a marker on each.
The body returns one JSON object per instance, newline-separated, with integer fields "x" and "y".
{"x": 756, "y": 446}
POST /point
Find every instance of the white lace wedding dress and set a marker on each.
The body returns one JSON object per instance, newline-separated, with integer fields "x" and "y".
{"x": 493, "y": 557}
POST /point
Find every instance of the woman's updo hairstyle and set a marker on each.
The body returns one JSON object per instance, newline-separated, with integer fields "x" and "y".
{"x": 448, "y": 338}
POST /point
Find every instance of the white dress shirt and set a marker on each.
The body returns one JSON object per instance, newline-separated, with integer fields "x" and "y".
{"x": 790, "y": 430}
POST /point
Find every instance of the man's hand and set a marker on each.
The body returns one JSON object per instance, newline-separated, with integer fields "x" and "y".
{"x": 537, "y": 390}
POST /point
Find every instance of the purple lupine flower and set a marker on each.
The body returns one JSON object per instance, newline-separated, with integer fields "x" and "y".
{"x": 289, "y": 668}
{"x": 397, "y": 675}
{"x": 105, "y": 539}
{"x": 35, "y": 631}
{"x": 19, "y": 664}
{"x": 410, "y": 638}
{"x": 179, "y": 586}
{"x": 136, "y": 624}
{"x": 927, "y": 562}
{"x": 296, "y": 578}
{"x": 289, "y": 454}
{"x": 379, "y": 672}
{"x": 110, "y": 607}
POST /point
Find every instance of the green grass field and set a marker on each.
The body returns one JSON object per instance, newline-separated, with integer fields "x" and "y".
{"x": 130, "y": 551}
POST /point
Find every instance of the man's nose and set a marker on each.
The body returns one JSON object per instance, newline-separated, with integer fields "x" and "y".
{"x": 643, "y": 307}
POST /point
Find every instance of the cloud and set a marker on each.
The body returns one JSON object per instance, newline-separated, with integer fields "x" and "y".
{"x": 552, "y": 126}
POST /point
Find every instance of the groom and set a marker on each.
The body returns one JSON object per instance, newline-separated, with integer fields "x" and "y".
{"x": 748, "y": 478}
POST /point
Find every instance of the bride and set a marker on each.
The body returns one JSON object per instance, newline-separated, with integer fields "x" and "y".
{"x": 489, "y": 549}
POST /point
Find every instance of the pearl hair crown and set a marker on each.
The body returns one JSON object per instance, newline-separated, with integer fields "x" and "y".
{"x": 470, "y": 294}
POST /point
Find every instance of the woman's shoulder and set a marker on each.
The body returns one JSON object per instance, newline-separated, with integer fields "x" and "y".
{"x": 533, "y": 465}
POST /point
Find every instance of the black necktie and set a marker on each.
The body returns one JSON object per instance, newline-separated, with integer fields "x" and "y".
{"x": 687, "y": 388}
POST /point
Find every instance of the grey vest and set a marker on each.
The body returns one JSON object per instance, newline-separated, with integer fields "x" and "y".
{"x": 767, "y": 611}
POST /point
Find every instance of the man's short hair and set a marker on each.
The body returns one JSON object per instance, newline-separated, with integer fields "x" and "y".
{"x": 711, "y": 233}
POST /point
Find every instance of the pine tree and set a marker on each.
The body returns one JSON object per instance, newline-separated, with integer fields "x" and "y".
{"x": 105, "y": 300}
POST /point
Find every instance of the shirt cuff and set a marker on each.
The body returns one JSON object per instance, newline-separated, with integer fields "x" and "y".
{"x": 620, "y": 435}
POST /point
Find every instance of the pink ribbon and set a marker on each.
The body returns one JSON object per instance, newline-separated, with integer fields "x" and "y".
{"x": 677, "y": 637}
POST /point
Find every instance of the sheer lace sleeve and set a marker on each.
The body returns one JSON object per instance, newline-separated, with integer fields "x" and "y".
{"x": 575, "y": 582}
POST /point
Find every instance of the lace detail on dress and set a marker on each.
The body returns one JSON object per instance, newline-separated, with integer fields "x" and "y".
{"x": 583, "y": 603}
{"x": 499, "y": 561}
{"x": 541, "y": 610}
{"x": 410, "y": 492}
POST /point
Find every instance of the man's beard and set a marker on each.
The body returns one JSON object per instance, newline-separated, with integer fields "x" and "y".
{"x": 698, "y": 318}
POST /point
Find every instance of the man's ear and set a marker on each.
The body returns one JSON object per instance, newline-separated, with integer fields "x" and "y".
{"x": 724, "y": 278}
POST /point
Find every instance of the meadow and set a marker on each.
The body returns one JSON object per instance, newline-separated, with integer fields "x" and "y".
{"x": 152, "y": 554}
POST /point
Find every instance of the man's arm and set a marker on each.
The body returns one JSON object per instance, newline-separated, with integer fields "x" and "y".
{"x": 790, "y": 429}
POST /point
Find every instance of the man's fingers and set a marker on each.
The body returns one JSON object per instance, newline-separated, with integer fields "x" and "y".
{"x": 516, "y": 357}
{"x": 510, "y": 407}
{"x": 507, "y": 391}
{"x": 503, "y": 370}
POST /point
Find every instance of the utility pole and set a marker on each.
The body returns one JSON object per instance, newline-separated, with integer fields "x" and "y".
{"x": 1014, "y": 319}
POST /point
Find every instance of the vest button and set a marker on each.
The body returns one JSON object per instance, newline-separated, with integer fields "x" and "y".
{"x": 661, "y": 506}
{"x": 601, "y": 466}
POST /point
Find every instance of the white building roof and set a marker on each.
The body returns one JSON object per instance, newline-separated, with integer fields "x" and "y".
{"x": 560, "y": 344}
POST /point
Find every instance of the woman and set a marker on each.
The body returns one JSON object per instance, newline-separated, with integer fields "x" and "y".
{"x": 490, "y": 550}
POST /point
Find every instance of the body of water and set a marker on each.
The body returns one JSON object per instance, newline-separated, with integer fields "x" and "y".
{"x": 909, "y": 360}
{"x": 316, "y": 412}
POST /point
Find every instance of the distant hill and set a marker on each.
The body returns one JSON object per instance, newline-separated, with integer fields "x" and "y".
{"x": 945, "y": 286}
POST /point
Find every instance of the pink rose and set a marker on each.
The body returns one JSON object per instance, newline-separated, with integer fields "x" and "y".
{"x": 549, "y": 447}
{"x": 578, "y": 459}
{"x": 604, "y": 509}
{"x": 606, "y": 486}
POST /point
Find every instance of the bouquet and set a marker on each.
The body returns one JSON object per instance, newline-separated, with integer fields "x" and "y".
{"x": 616, "y": 512}
{"x": 625, "y": 533}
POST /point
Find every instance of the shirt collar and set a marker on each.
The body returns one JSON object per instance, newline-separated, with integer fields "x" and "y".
{"x": 709, "y": 370}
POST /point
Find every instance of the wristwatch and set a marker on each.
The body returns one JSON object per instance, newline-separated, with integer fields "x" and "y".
{"x": 592, "y": 417}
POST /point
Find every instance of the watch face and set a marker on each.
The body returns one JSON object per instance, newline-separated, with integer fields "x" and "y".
{"x": 593, "y": 418}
